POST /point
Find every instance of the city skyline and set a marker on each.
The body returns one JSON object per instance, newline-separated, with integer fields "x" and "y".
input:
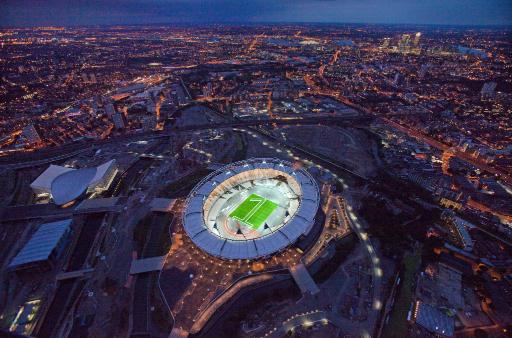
{"x": 126, "y": 12}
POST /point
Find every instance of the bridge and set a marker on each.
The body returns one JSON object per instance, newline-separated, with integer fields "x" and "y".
{"x": 33, "y": 211}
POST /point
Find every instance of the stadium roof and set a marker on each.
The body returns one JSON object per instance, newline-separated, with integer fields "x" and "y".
{"x": 299, "y": 224}
{"x": 42, "y": 243}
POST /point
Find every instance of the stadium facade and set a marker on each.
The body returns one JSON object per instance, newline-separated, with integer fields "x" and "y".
{"x": 251, "y": 209}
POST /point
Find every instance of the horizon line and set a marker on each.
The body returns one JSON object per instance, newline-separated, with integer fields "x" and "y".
{"x": 262, "y": 23}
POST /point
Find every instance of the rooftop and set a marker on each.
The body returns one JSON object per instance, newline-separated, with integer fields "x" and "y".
{"x": 433, "y": 320}
{"x": 42, "y": 243}
{"x": 44, "y": 181}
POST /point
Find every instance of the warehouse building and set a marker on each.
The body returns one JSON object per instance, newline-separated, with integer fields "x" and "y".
{"x": 44, "y": 248}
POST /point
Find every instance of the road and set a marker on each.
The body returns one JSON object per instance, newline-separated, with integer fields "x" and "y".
{"x": 376, "y": 269}
{"x": 504, "y": 175}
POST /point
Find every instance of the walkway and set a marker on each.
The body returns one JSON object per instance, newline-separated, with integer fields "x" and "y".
{"x": 303, "y": 279}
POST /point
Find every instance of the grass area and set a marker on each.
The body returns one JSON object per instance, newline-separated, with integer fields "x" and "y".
{"x": 343, "y": 248}
{"x": 239, "y": 151}
{"x": 254, "y": 210}
{"x": 397, "y": 325}
{"x": 182, "y": 187}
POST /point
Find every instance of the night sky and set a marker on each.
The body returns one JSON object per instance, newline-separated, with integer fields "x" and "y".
{"x": 107, "y": 12}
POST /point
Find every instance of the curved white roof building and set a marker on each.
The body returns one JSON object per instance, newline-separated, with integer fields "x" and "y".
{"x": 67, "y": 184}
{"x": 70, "y": 185}
{"x": 251, "y": 209}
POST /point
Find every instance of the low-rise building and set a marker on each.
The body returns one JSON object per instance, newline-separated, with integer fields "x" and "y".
{"x": 44, "y": 248}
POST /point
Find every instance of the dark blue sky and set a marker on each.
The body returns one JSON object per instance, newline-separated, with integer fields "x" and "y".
{"x": 93, "y": 12}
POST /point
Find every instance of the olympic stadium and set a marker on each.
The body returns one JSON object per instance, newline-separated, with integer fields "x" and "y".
{"x": 251, "y": 209}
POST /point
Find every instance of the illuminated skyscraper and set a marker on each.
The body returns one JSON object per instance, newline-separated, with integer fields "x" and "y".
{"x": 417, "y": 39}
{"x": 385, "y": 43}
{"x": 404, "y": 43}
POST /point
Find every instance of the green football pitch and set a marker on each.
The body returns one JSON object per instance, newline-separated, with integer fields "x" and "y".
{"x": 254, "y": 210}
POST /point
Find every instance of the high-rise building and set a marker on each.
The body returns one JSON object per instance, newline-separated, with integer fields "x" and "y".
{"x": 385, "y": 43}
{"x": 417, "y": 37}
{"x": 149, "y": 122}
{"x": 404, "y": 43}
{"x": 488, "y": 89}
{"x": 110, "y": 110}
{"x": 119, "y": 120}
{"x": 423, "y": 71}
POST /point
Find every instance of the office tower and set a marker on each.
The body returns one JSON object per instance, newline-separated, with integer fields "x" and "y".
{"x": 385, "y": 43}
{"x": 149, "y": 122}
{"x": 109, "y": 110}
{"x": 422, "y": 73}
{"x": 119, "y": 120}
{"x": 488, "y": 89}
{"x": 417, "y": 37}
{"x": 404, "y": 43}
